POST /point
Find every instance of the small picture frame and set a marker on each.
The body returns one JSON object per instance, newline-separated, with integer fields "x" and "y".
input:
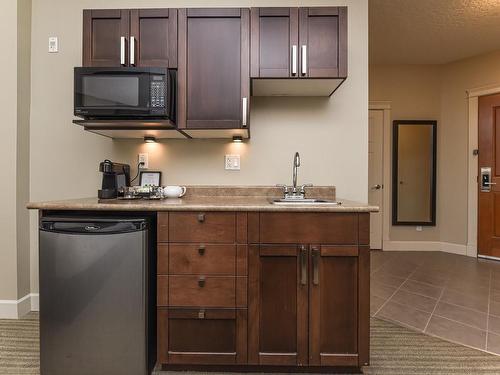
{"x": 149, "y": 178}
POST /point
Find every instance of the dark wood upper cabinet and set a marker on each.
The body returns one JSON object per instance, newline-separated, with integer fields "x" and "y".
{"x": 142, "y": 37}
{"x": 274, "y": 42}
{"x": 323, "y": 42}
{"x": 299, "y": 42}
{"x": 105, "y": 32}
{"x": 154, "y": 32}
{"x": 214, "y": 63}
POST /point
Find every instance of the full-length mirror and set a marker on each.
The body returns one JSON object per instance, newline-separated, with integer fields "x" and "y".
{"x": 414, "y": 173}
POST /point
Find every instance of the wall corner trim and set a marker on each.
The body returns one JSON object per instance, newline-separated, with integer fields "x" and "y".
{"x": 16, "y": 309}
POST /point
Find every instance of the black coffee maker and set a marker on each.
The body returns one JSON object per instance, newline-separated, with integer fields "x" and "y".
{"x": 114, "y": 177}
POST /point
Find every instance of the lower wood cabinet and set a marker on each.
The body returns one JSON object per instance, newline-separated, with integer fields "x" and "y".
{"x": 264, "y": 294}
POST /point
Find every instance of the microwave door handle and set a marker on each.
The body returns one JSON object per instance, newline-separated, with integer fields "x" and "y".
{"x": 132, "y": 51}
{"x": 122, "y": 50}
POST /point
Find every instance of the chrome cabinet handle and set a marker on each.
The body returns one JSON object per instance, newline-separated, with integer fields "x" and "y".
{"x": 122, "y": 50}
{"x": 201, "y": 218}
{"x": 245, "y": 109}
{"x": 201, "y": 314}
{"x": 315, "y": 260}
{"x": 303, "y": 265}
{"x": 304, "y": 60}
{"x": 132, "y": 51}
{"x": 490, "y": 183}
{"x": 294, "y": 60}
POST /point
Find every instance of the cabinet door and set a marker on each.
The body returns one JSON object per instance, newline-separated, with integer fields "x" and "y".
{"x": 105, "y": 36}
{"x": 323, "y": 42}
{"x": 153, "y": 38}
{"x": 214, "y": 63}
{"x": 278, "y": 300}
{"x": 274, "y": 42}
{"x": 333, "y": 306}
{"x": 202, "y": 336}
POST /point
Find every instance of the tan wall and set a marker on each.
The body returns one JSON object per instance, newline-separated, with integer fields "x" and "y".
{"x": 438, "y": 91}
{"x": 331, "y": 134}
{"x": 414, "y": 92}
{"x": 8, "y": 98}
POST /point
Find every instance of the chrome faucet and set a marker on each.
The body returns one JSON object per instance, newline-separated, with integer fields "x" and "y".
{"x": 295, "y": 193}
{"x": 296, "y": 165}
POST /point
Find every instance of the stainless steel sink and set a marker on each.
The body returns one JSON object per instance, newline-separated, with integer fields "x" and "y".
{"x": 304, "y": 201}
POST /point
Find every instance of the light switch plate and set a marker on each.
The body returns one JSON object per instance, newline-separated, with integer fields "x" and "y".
{"x": 144, "y": 158}
{"x": 53, "y": 44}
{"x": 419, "y": 228}
{"x": 232, "y": 162}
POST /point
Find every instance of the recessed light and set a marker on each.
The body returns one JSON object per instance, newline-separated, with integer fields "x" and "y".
{"x": 237, "y": 139}
{"x": 149, "y": 139}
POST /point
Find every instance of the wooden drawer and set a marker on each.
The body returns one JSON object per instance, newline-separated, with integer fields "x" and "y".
{"x": 209, "y": 291}
{"x": 213, "y": 259}
{"x": 162, "y": 227}
{"x": 214, "y": 227}
{"x": 199, "y": 336}
{"x": 308, "y": 227}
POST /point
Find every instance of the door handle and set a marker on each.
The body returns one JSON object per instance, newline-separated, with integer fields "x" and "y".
{"x": 303, "y": 265}
{"x": 304, "y": 60}
{"x": 315, "y": 263}
{"x": 294, "y": 60}
{"x": 244, "y": 114}
{"x": 201, "y": 282}
{"x": 201, "y": 250}
{"x": 486, "y": 179}
{"x": 132, "y": 51}
{"x": 122, "y": 50}
{"x": 377, "y": 187}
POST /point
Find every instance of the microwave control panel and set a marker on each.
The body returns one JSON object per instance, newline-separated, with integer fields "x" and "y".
{"x": 158, "y": 92}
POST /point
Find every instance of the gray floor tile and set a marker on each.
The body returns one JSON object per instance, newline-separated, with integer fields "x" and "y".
{"x": 494, "y": 324}
{"x": 479, "y": 303}
{"x": 493, "y": 344}
{"x": 461, "y": 314}
{"x": 421, "y": 288}
{"x": 381, "y": 290}
{"x": 456, "y": 332}
{"x": 414, "y": 300}
{"x": 387, "y": 279}
{"x": 404, "y": 314}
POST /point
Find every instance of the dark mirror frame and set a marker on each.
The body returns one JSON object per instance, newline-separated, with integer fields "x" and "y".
{"x": 395, "y": 138}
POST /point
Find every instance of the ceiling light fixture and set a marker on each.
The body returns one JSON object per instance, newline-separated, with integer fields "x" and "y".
{"x": 237, "y": 139}
{"x": 149, "y": 139}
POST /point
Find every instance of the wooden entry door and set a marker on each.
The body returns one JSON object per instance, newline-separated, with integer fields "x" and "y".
{"x": 376, "y": 175}
{"x": 489, "y": 188}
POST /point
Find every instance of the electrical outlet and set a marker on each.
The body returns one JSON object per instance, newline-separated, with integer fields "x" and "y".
{"x": 53, "y": 44}
{"x": 143, "y": 158}
{"x": 232, "y": 162}
{"x": 419, "y": 228}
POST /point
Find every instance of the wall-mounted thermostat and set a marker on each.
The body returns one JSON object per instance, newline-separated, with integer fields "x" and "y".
{"x": 53, "y": 44}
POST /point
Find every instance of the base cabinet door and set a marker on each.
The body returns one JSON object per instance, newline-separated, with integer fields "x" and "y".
{"x": 202, "y": 336}
{"x": 278, "y": 298}
{"x": 333, "y": 306}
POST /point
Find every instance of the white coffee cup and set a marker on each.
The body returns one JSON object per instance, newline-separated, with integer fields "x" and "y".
{"x": 174, "y": 191}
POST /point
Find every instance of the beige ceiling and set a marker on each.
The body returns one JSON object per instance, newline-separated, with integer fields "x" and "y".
{"x": 432, "y": 31}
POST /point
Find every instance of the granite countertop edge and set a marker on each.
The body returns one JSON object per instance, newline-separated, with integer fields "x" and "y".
{"x": 197, "y": 204}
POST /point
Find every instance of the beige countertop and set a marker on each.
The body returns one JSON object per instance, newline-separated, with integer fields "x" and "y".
{"x": 204, "y": 198}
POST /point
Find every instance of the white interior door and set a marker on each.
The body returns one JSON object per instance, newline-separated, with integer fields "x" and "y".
{"x": 376, "y": 175}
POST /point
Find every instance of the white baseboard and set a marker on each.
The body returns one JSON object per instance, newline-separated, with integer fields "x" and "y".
{"x": 15, "y": 309}
{"x": 446, "y": 247}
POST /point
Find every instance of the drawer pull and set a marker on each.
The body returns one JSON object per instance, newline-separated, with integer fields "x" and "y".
{"x": 201, "y": 250}
{"x": 201, "y": 314}
{"x": 315, "y": 260}
{"x": 201, "y": 218}
{"x": 201, "y": 282}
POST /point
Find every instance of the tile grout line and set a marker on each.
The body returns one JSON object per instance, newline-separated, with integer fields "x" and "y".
{"x": 488, "y": 314}
{"x": 397, "y": 290}
{"x": 435, "y": 307}
{"x": 459, "y": 322}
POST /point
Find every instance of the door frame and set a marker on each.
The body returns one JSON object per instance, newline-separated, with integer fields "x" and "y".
{"x": 385, "y": 210}
{"x": 472, "y": 163}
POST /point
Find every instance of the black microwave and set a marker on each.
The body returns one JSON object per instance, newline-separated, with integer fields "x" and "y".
{"x": 125, "y": 93}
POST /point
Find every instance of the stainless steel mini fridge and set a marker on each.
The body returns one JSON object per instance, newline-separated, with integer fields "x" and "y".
{"x": 94, "y": 296}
